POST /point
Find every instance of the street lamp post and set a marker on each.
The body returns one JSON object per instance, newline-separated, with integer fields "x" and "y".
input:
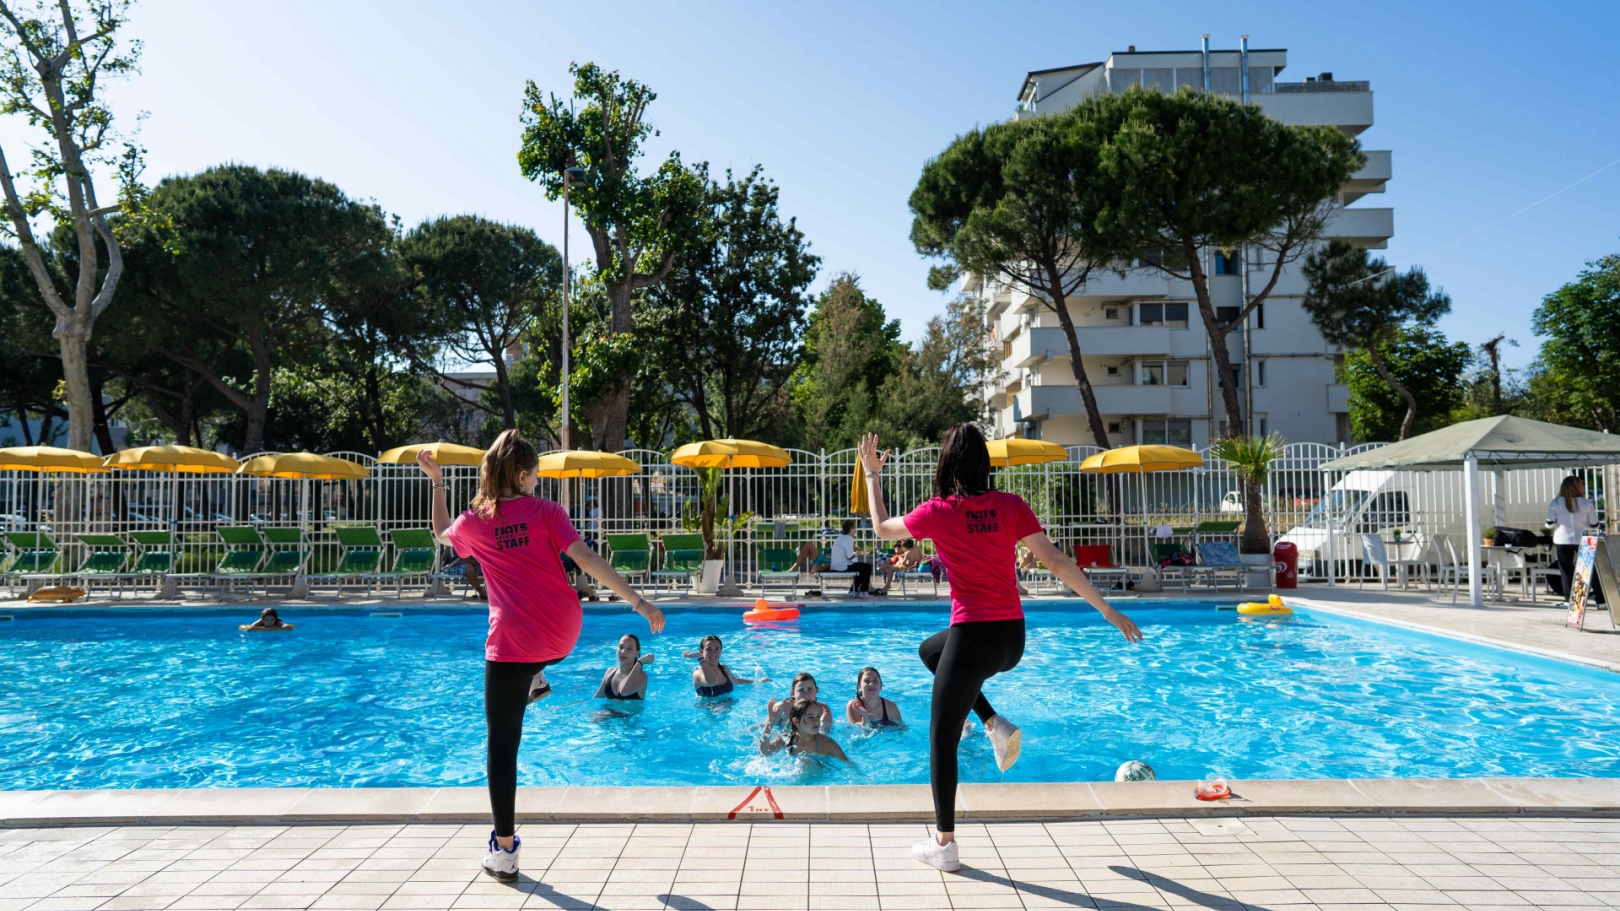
{"x": 570, "y": 175}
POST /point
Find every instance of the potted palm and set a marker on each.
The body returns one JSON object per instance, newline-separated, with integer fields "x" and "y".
{"x": 1250, "y": 459}
{"x": 708, "y": 517}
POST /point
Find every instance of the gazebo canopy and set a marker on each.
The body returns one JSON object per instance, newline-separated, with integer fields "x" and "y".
{"x": 1499, "y": 442}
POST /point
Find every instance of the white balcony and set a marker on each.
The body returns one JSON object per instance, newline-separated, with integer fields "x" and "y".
{"x": 1371, "y": 178}
{"x": 1050, "y": 401}
{"x": 1351, "y": 112}
{"x": 1104, "y": 285}
{"x": 1371, "y": 228}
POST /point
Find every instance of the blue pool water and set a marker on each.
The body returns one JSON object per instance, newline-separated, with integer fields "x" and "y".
{"x": 172, "y": 699}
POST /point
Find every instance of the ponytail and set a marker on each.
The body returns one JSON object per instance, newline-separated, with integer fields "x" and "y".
{"x": 498, "y": 477}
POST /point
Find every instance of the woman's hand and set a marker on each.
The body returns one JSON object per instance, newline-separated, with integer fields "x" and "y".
{"x": 654, "y": 616}
{"x": 646, "y": 658}
{"x": 871, "y": 458}
{"x": 424, "y": 461}
{"x": 1124, "y": 624}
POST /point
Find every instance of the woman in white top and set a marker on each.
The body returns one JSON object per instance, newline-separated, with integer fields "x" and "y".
{"x": 846, "y": 560}
{"x": 1570, "y": 514}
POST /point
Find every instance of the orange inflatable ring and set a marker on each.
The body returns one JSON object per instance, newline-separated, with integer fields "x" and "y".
{"x": 764, "y": 612}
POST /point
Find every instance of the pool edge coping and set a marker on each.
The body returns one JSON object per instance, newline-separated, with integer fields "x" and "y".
{"x": 826, "y": 803}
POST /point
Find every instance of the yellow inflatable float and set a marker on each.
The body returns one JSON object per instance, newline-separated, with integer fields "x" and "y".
{"x": 1274, "y": 607}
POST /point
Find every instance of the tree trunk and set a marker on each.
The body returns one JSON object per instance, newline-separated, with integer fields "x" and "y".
{"x": 503, "y": 387}
{"x": 99, "y": 411}
{"x": 74, "y": 339}
{"x": 1410, "y": 420}
{"x": 258, "y": 411}
{"x": 609, "y": 418}
{"x": 1088, "y": 397}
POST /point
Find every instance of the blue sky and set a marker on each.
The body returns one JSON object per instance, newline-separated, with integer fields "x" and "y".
{"x": 1487, "y": 106}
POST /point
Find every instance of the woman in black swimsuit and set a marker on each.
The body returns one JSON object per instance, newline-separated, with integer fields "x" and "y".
{"x": 627, "y": 680}
{"x": 711, "y": 678}
{"x": 869, "y": 706}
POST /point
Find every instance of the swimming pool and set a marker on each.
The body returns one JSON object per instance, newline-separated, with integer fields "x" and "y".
{"x": 181, "y": 699}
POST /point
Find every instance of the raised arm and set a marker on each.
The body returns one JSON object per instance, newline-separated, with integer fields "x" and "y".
{"x": 592, "y": 562}
{"x": 1066, "y": 569}
{"x": 438, "y": 498}
{"x": 872, "y": 462}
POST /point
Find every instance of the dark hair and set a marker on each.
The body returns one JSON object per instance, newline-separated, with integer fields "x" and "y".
{"x": 1570, "y": 489}
{"x": 705, "y": 641}
{"x": 633, "y": 638}
{"x": 862, "y": 673}
{"x": 848, "y": 526}
{"x": 803, "y": 675}
{"x": 908, "y": 543}
{"x": 801, "y": 707}
{"x": 269, "y": 612}
{"x": 964, "y": 463}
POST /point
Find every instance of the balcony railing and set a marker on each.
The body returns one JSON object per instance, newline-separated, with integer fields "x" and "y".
{"x": 1283, "y": 88}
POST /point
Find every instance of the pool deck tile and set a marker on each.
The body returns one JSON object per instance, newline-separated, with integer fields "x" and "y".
{"x": 1072, "y": 800}
{"x": 239, "y": 805}
{"x": 90, "y": 806}
{"x": 364, "y": 805}
{"x": 1434, "y": 795}
{"x": 883, "y": 802}
{"x": 750, "y": 803}
{"x": 623, "y": 804}
{"x": 464, "y": 804}
{"x": 1582, "y": 794}
{"x": 1303, "y": 796}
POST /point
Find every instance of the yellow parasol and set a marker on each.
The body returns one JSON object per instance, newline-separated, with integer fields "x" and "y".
{"x": 1024, "y": 452}
{"x": 858, "y": 504}
{"x": 443, "y": 453}
{"x": 1140, "y": 460}
{"x": 583, "y": 463}
{"x": 50, "y": 460}
{"x": 305, "y": 465}
{"x": 731, "y": 454}
{"x": 183, "y": 459}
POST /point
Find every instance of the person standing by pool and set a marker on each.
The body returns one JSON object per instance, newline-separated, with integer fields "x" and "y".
{"x": 1570, "y": 514}
{"x": 977, "y": 529}
{"x": 534, "y": 615}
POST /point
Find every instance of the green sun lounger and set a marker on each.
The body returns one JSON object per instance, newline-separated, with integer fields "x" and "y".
{"x": 104, "y": 558}
{"x": 683, "y": 556}
{"x": 776, "y": 568}
{"x": 630, "y": 555}
{"x": 362, "y": 553}
{"x": 415, "y": 556}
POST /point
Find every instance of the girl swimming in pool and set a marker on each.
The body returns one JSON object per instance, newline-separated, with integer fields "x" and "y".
{"x": 804, "y": 688}
{"x": 977, "y": 529}
{"x": 803, "y": 736}
{"x": 534, "y": 614}
{"x": 711, "y": 678}
{"x": 627, "y": 680}
{"x": 869, "y": 707}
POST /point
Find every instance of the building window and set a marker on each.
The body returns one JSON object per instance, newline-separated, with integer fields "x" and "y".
{"x": 1224, "y": 315}
{"x": 1262, "y": 425}
{"x": 1113, "y": 371}
{"x": 1260, "y": 372}
{"x": 1260, "y": 316}
{"x": 1161, "y": 315}
{"x": 1162, "y": 432}
{"x": 1237, "y": 376}
{"x": 1164, "y": 373}
{"x": 1114, "y": 427}
{"x": 1227, "y": 264}
{"x": 1341, "y": 427}
{"x": 1110, "y": 313}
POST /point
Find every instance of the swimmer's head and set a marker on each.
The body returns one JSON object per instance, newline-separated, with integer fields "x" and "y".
{"x": 268, "y": 615}
{"x": 629, "y": 647}
{"x": 709, "y": 648}
{"x": 804, "y": 686}
{"x": 801, "y": 720}
{"x": 868, "y": 682}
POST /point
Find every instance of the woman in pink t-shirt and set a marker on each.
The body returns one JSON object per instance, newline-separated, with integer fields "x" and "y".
{"x": 534, "y": 614}
{"x": 977, "y": 531}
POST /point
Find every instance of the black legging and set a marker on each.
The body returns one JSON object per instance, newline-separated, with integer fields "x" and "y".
{"x": 506, "y": 695}
{"x": 962, "y": 658}
{"x": 1566, "y": 567}
{"x": 863, "y": 575}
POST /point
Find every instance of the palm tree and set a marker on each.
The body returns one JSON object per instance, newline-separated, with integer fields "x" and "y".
{"x": 1251, "y": 458}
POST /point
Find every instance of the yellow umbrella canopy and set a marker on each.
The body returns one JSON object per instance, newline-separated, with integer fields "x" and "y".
{"x": 1135, "y": 459}
{"x": 582, "y": 463}
{"x": 731, "y": 454}
{"x": 50, "y": 459}
{"x": 1024, "y": 452}
{"x": 184, "y": 459}
{"x": 858, "y": 504}
{"x": 305, "y": 465}
{"x": 443, "y": 453}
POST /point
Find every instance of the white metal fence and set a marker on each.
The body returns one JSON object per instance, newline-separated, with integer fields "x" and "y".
{"x": 804, "y": 501}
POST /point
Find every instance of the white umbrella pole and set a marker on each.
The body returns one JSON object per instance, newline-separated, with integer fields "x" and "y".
{"x": 1471, "y": 527}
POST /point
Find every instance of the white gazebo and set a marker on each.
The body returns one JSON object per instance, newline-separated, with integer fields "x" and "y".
{"x": 1499, "y": 443}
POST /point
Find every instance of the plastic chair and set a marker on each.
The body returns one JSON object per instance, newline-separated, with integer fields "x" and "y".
{"x": 1097, "y": 560}
{"x": 1217, "y": 559}
{"x": 776, "y": 566}
{"x": 683, "y": 556}
{"x": 104, "y": 558}
{"x": 630, "y": 555}
{"x": 362, "y": 553}
{"x": 415, "y": 554}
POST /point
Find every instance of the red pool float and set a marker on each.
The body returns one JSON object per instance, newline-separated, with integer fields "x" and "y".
{"x": 763, "y": 612}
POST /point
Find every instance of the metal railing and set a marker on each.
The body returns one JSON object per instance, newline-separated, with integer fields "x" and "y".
{"x": 802, "y": 502}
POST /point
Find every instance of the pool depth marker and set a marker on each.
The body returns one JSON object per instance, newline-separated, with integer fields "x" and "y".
{"x": 748, "y": 806}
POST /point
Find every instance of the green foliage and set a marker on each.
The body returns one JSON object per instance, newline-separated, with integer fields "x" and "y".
{"x": 940, "y": 383}
{"x": 851, "y": 353}
{"x": 710, "y": 516}
{"x": 1249, "y": 457}
{"x": 1421, "y": 360}
{"x": 725, "y": 326}
{"x": 1576, "y": 378}
{"x": 29, "y": 366}
{"x": 318, "y": 409}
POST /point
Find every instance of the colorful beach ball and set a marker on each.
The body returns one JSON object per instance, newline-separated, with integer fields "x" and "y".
{"x": 1135, "y": 770}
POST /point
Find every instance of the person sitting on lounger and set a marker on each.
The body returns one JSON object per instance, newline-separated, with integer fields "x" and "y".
{"x": 907, "y": 557}
{"x": 268, "y": 622}
{"x": 810, "y": 559}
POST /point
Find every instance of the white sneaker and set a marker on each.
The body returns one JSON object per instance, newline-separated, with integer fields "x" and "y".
{"x": 936, "y": 855}
{"x": 538, "y": 687}
{"x": 1006, "y": 738}
{"x": 501, "y": 863}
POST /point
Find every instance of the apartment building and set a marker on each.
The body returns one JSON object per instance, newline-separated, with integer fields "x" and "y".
{"x": 1144, "y": 346}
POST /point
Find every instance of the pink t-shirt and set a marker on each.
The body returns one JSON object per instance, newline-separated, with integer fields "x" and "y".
{"x": 977, "y": 537}
{"x": 534, "y": 613}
